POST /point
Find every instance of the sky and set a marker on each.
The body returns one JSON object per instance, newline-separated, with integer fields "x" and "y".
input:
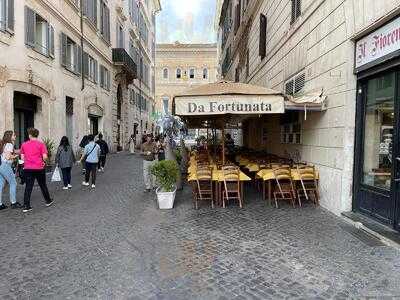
{"x": 186, "y": 21}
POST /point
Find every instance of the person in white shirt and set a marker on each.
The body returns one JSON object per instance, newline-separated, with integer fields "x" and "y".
{"x": 6, "y": 172}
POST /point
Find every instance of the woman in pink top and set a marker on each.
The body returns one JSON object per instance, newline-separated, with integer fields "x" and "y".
{"x": 34, "y": 154}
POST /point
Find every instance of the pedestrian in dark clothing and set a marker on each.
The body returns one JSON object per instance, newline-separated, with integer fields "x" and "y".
{"x": 65, "y": 159}
{"x": 103, "y": 152}
{"x": 34, "y": 154}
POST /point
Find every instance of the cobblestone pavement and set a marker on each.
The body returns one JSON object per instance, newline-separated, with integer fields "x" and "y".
{"x": 113, "y": 243}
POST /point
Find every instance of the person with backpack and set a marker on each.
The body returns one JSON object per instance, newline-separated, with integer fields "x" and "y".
{"x": 90, "y": 158}
{"x": 65, "y": 159}
{"x": 34, "y": 154}
{"x": 6, "y": 172}
{"x": 103, "y": 152}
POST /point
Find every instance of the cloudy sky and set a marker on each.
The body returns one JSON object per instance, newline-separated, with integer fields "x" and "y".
{"x": 186, "y": 21}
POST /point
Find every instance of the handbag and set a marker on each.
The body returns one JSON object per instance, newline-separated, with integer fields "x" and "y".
{"x": 56, "y": 177}
{"x": 85, "y": 156}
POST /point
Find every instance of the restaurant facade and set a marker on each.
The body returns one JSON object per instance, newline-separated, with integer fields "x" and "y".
{"x": 347, "y": 52}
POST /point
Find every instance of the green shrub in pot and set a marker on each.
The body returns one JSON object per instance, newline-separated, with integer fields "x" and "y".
{"x": 166, "y": 173}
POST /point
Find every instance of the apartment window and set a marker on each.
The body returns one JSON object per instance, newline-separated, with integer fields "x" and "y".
{"x": 71, "y": 54}
{"x": 39, "y": 34}
{"x": 165, "y": 73}
{"x": 131, "y": 97}
{"x": 205, "y": 73}
{"x": 120, "y": 36}
{"x": 247, "y": 64}
{"x": 295, "y": 84}
{"x": 296, "y": 10}
{"x": 7, "y": 15}
{"x": 291, "y": 128}
{"x": 105, "y": 78}
{"x": 178, "y": 73}
{"x": 90, "y": 67}
{"x": 237, "y": 75}
{"x": 238, "y": 12}
{"x": 90, "y": 10}
{"x": 105, "y": 21}
{"x": 191, "y": 73}
{"x": 133, "y": 11}
{"x": 165, "y": 105}
{"x": 263, "y": 36}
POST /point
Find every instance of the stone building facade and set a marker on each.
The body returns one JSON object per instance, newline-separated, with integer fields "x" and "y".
{"x": 182, "y": 66}
{"x": 301, "y": 46}
{"x": 45, "y": 49}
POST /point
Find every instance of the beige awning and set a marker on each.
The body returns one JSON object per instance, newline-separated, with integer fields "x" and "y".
{"x": 228, "y": 98}
{"x": 312, "y": 101}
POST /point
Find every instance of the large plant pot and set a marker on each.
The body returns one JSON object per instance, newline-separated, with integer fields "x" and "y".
{"x": 165, "y": 199}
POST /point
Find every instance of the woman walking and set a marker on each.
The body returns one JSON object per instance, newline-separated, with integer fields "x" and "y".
{"x": 65, "y": 159}
{"x": 90, "y": 158}
{"x": 6, "y": 172}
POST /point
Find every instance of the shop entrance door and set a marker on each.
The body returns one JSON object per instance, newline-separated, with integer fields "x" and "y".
{"x": 377, "y": 172}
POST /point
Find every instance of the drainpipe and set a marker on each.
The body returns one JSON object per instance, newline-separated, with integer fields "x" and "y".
{"x": 82, "y": 71}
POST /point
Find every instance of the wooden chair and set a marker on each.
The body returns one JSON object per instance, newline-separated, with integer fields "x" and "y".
{"x": 204, "y": 186}
{"x": 231, "y": 190}
{"x": 284, "y": 186}
{"x": 308, "y": 182}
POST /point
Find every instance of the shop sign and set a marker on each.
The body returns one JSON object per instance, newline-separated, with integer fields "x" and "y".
{"x": 378, "y": 44}
{"x": 95, "y": 110}
{"x": 235, "y": 104}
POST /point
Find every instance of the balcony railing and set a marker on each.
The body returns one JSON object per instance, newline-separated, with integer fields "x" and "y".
{"x": 121, "y": 58}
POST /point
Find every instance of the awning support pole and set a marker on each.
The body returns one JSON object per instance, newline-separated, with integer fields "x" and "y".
{"x": 223, "y": 145}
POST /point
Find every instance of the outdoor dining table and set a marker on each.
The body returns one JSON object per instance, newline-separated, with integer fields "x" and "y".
{"x": 218, "y": 180}
{"x": 267, "y": 175}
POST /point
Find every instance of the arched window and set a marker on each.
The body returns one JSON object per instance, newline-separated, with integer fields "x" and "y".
{"x": 205, "y": 73}
{"x": 178, "y": 73}
{"x": 191, "y": 73}
{"x": 165, "y": 73}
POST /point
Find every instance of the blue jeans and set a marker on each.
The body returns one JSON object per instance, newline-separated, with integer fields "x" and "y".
{"x": 7, "y": 174}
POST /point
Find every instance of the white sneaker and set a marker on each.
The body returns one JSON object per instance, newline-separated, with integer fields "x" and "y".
{"x": 65, "y": 188}
{"x": 93, "y": 186}
{"x": 69, "y": 186}
{"x": 85, "y": 183}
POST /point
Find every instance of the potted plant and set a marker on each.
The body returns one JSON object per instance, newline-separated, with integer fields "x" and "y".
{"x": 50, "y": 145}
{"x": 166, "y": 173}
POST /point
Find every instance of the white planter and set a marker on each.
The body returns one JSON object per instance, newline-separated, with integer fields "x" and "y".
{"x": 165, "y": 199}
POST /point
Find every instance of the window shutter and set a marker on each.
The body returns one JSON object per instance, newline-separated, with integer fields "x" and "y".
{"x": 108, "y": 79}
{"x": 51, "y": 41}
{"x": 63, "y": 49}
{"x": 10, "y": 16}
{"x": 298, "y": 8}
{"x": 85, "y": 7}
{"x": 263, "y": 36}
{"x": 102, "y": 77}
{"x": 95, "y": 12}
{"x": 85, "y": 64}
{"x": 78, "y": 59}
{"x": 30, "y": 27}
{"x": 96, "y": 72}
{"x": 102, "y": 18}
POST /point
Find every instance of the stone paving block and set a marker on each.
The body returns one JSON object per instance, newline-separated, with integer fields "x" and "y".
{"x": 113, "y": 243}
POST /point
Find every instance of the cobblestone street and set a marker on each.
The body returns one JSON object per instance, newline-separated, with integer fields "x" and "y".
{"x": 113, "y": 243}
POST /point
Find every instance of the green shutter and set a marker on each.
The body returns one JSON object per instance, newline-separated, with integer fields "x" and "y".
{"x": 30, "y": 24}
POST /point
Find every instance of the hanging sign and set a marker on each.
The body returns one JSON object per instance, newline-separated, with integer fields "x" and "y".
{"x": 378, "y": 44}
{"x": 233, "y": 104}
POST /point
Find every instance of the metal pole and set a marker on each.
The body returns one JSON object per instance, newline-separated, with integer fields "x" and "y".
{"x": 140, "y": 70}
{"x": 82, "y": 70}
